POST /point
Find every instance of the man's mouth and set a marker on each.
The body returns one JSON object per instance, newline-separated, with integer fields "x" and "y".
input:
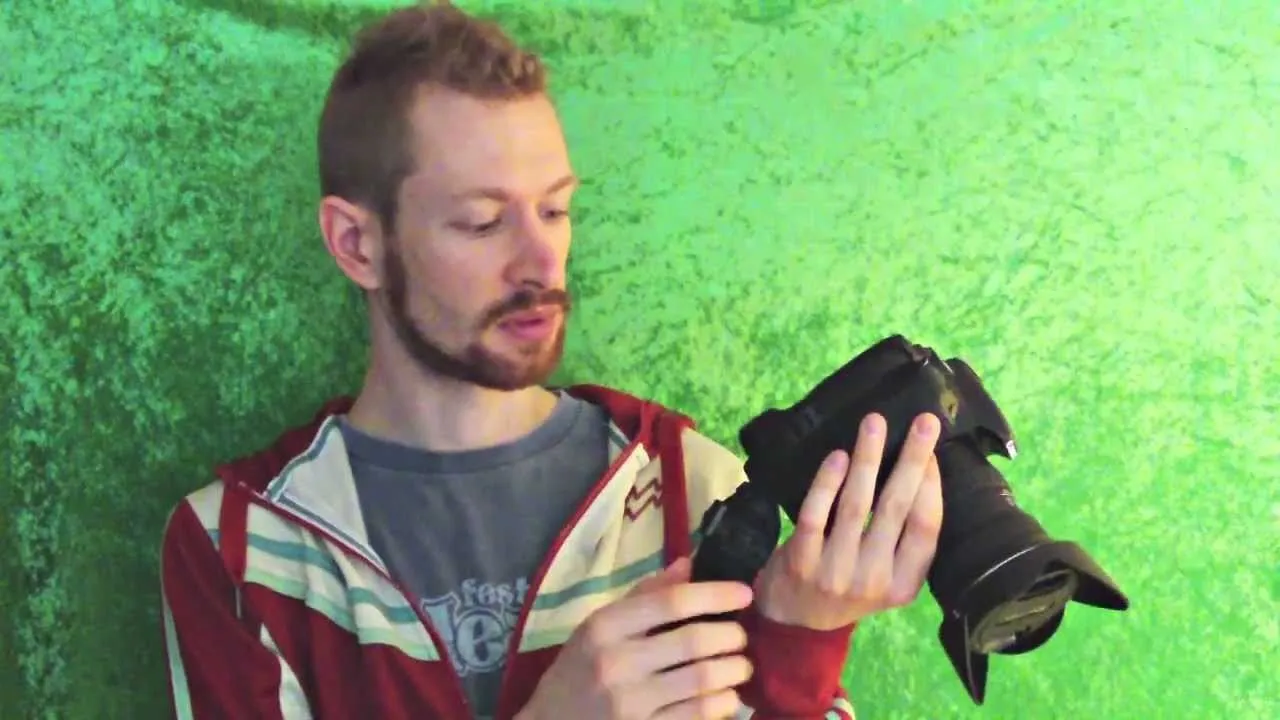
{"x": 529, "y": 324}
{"x": 528, "y": 317}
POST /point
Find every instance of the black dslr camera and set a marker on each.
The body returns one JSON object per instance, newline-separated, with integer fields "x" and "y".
{"x": 1001, "y": 581}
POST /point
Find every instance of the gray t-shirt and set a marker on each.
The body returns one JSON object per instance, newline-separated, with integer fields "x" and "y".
{"x": 465, "y": 531}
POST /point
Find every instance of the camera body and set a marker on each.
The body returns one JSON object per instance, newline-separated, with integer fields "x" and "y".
{"x": 894, "y": 378}
{"x": 1002, "y": 583}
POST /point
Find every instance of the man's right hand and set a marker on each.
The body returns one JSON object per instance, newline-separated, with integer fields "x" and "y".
{"x": 614, "y": 667}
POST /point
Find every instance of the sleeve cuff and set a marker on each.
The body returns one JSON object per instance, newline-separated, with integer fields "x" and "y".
{"x": 796, "y": 669}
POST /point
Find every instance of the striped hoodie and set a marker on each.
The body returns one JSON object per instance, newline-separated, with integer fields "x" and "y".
{"x": 275, "y": 606}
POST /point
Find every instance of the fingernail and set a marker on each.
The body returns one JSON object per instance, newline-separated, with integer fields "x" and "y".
{"x": 872, "y": 425}
{"x": 925, "y": 424}
{"x": 834, "y": 462}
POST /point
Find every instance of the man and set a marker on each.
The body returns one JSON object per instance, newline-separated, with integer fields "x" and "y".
{"x": 460, "y": 540}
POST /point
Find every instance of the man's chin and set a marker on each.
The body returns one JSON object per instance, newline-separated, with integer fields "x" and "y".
{"x": 511, "y": 379}
{"x": 496, "y": 360}
{"x": 527, "y": 370}
{"x": 502, "y": 366}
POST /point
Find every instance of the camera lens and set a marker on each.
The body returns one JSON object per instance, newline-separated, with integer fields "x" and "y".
{"x": 1002, "y": 582}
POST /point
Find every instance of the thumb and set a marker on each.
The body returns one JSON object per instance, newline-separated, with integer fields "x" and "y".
{"x": 673, "y": 574}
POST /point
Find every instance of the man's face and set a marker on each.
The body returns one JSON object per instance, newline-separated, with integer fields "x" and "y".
{"x": 474, "y": 271}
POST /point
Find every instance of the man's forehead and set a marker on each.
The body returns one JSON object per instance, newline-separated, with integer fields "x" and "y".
{"x": 460, "y": 181}
{"x": 463, "y": 145}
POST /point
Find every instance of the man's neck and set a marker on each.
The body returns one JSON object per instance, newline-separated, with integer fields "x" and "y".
{"x": 443, "y": 415}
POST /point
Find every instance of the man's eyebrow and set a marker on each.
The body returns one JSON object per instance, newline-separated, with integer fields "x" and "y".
{"x": 501, "y": 196}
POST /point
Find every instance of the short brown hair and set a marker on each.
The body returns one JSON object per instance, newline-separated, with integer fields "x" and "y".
{"x": 365, "y": 129}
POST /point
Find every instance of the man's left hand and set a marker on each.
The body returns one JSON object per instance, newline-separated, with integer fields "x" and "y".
{"x": 831, "y": 582}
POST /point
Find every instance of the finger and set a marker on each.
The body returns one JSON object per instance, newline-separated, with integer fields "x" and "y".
{"x": 634, "y": 616}
{"x": 840, "y": 562}
{"x": 677, "y": 572}
{"x": 690, "y": 684}
{"x": 900, "y": 489}
{"x": 685, "y": 644}
{"x": 804, "y": 547}
{"x": 721, "y": 705}
{"x": 919, "y": 542}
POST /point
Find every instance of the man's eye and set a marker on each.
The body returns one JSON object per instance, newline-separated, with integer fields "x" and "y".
{"x": 481, "y": 228}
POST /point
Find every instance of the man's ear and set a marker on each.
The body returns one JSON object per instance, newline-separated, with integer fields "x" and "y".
{"x": 354, "y": 237}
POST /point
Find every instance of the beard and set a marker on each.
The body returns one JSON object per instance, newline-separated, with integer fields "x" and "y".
{"x": 475, "y": 364}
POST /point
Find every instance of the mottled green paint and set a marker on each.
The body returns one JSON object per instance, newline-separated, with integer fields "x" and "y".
{"x": 1079, "y": 198}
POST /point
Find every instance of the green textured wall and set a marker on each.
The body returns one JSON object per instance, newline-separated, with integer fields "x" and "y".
{"x": 1079, "y": 198}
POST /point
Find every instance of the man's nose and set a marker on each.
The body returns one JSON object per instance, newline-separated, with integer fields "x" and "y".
{"x": 541, "y": 257}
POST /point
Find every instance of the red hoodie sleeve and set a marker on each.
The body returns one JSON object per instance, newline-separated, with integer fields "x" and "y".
{"x": 797, "y": 671}
{"x": 220, "y": 662}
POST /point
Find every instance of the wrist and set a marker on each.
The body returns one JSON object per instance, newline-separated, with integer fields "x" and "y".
{"x": 798, "y": 668}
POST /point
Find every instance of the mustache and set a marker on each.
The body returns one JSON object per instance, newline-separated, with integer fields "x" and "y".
{"x": 528, "y": 299}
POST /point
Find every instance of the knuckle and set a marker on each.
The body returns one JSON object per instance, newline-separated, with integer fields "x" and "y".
{"x": 708, "y": 676}
{"x": 592, "y": 635}
{"x": 603, "y": 669}
{"x": 677, "y": 603}
{"x": 904, "y": 596}
{"x": 795, "y": 568}
{"x": 719, "y": 705}
{"x": 870, "y": 587}
{"x": 711, "y": 641}
{"x": 830, "y": 586}
{"x": 896, "y": 506}
{"x": 926, "y": 524}
{"x": 695, "y": 640}
{"x": 809, "y": 523}
{"x": 703, "y": 640}
{"x": 854, "y": 510}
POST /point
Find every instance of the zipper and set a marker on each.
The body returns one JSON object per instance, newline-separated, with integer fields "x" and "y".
{"x": 535, "y": 582}
{"x": 459, "y": 695}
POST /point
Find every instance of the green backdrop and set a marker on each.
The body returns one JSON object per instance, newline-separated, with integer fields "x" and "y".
{"x": 1078, "y": 198}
